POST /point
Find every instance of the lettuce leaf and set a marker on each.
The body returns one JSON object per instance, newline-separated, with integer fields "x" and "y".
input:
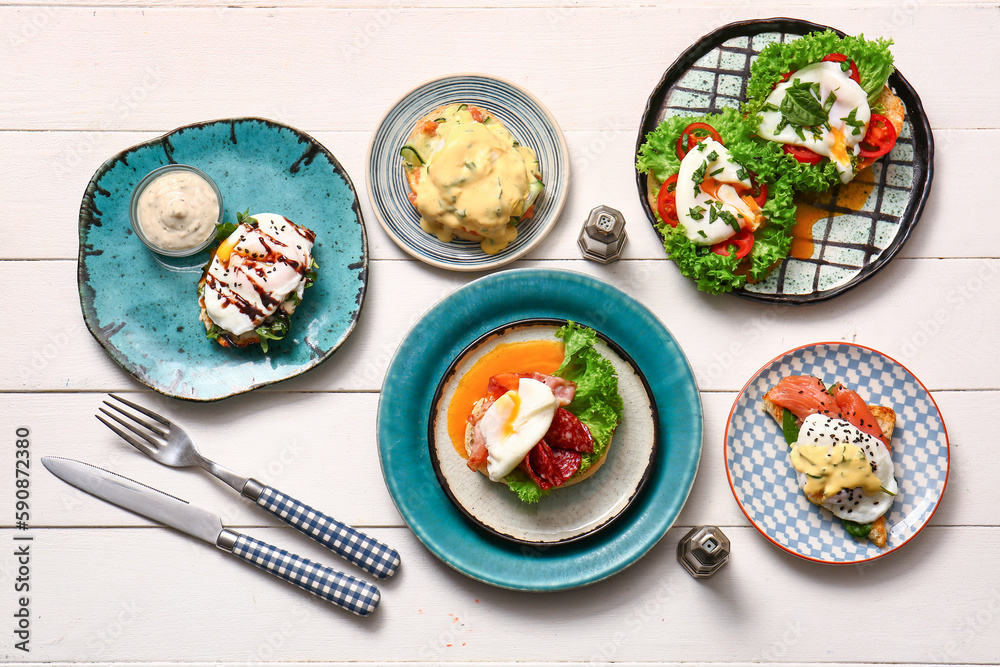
{"x": 596, "y": 403}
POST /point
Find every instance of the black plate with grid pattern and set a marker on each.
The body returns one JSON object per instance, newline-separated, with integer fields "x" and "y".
{"x": 849, "y": 245}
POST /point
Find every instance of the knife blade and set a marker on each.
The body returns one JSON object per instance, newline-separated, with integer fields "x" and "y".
{"x": 356, "y": 596}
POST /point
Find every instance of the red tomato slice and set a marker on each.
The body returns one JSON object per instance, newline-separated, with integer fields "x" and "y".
{"x": 692, "y": 134}
{"x": 743, "y": 240}
{"x": 784, "y": 77}
{"x": 666, "y": 201}
{"x": 802, "y": 154}
{"x": 879, "y": 139}
{"x": 839, "y": 58}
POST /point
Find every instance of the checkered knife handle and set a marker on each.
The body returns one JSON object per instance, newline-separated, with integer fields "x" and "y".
{"x": 354, "y": 595}
{"x": 367, "y": 553}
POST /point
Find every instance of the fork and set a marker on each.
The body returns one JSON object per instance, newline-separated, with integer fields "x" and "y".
{"x": 167, "y": 443}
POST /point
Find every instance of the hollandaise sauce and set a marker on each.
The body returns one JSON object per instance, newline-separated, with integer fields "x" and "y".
{"x": 830, "y": 469}
{"x": 470, "y": 177}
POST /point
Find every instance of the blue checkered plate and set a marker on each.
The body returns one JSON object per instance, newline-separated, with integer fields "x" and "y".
{"x": 763, "y": 481}
{"x": 849, "y": 245}
{"x": 526, "y": 118}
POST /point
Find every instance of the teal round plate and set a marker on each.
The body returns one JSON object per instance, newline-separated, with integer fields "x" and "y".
{"x": 143, "y": 308}
{"x": 424, "y": 357}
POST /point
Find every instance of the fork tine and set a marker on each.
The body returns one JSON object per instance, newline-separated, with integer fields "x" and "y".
{"x": 139, "y": 420}
{"x": 148, "y": 438}
{"x": 138, "y": 444}
{"x": 146, "y": 411}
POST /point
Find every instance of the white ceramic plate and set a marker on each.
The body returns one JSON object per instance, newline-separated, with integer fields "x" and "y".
{"x": 564, "y": 514}
{"x": 763, "y": 480}
{"x": 526, "y": 118}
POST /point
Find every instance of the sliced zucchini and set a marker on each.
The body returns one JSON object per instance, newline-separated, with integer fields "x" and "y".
{"x": 534, "y": 190}
{"x": 411, "y": 156}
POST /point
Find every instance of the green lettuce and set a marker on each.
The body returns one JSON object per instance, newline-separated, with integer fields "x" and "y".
{"x": 714, "y": 273}
{"x": 596, "y": 403}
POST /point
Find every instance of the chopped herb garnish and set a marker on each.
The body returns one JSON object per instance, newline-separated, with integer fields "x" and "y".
{"x": 853, "y": 122}
{"x": 697, "y": 213}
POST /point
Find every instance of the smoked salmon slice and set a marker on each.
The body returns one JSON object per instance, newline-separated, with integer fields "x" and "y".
{"x": 804, "y": 395}
{"x": 856, "y": 411}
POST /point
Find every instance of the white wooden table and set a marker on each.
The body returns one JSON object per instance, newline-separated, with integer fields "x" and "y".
{"x": 81, "y": 80}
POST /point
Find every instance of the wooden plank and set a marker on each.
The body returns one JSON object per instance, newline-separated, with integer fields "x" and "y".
{"x": 726, "y": 339}
{"x": 321, "y": 448}
{"x": 601, "y": 173}
{"x": 193, "y": 63}
{"x": 763, "y": 602}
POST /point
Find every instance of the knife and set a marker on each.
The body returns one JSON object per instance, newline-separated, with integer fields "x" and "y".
{"x": 343, "y": 590}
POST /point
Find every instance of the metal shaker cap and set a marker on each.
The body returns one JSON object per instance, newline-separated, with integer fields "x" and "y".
{"x": 603, "y": 235}
{"x": 703, "y": 551}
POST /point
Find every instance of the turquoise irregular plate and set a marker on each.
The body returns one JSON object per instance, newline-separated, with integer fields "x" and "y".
{"x": 762, "y": 479}
{"x": 526, "y": 118}
{"x": 143, "y": 309}
{"x": 850, "y": 243}
{"x": 407, "y": 398}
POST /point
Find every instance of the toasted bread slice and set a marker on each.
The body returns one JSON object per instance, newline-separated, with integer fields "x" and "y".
{"x": 886, "y": 418}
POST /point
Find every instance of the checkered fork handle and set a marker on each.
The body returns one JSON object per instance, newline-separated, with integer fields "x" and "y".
{"x": 367, "y": 553}
{"x": 354, "y": 595}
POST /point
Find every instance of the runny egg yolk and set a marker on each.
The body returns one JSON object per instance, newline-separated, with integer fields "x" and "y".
{"x": 226, "y": 249}
{"x": 534, "y": 356}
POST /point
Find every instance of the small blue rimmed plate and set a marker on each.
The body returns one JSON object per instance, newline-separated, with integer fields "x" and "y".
{"x": 763, "y": 481}
{"x": 526, "y": 118}
{"x": 439, "y": 337}
{"x": 565, "y": 514}
{"x": 850, "y": 240}
{"x": 143, "y": 308}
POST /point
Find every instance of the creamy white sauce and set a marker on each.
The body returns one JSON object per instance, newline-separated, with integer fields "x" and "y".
{"x": 255, "y": 270}
{"x": 710, "y": 157}
{"x": 841, "y": 141}
{"x": 178, "y": 210}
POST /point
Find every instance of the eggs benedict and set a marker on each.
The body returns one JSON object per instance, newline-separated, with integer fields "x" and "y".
{"x": 722, "y": 223}
{"x": 255, "y": 280}
{"x": 839, "y": 449}
{"x": 537, "y": 415}
{"x": 469, "y": 177}
{"x": 823, "y": 107}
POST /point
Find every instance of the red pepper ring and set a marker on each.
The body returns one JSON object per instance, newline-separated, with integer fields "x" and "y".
{"x": 692, "y": 134}
{"x": 666, "y": 201}
{"x": 743, "y": 240}
{"x": 840, "y": 58}
{"x": 879, "y": 139}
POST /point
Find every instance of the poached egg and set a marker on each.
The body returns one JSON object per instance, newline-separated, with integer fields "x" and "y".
{"x": 843, "y": 469}
{"x": 256, "y": 270}
{"x": 709, "y": 203}
{"x": 846, "y": 123}
{"x": 514, "y": 424}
